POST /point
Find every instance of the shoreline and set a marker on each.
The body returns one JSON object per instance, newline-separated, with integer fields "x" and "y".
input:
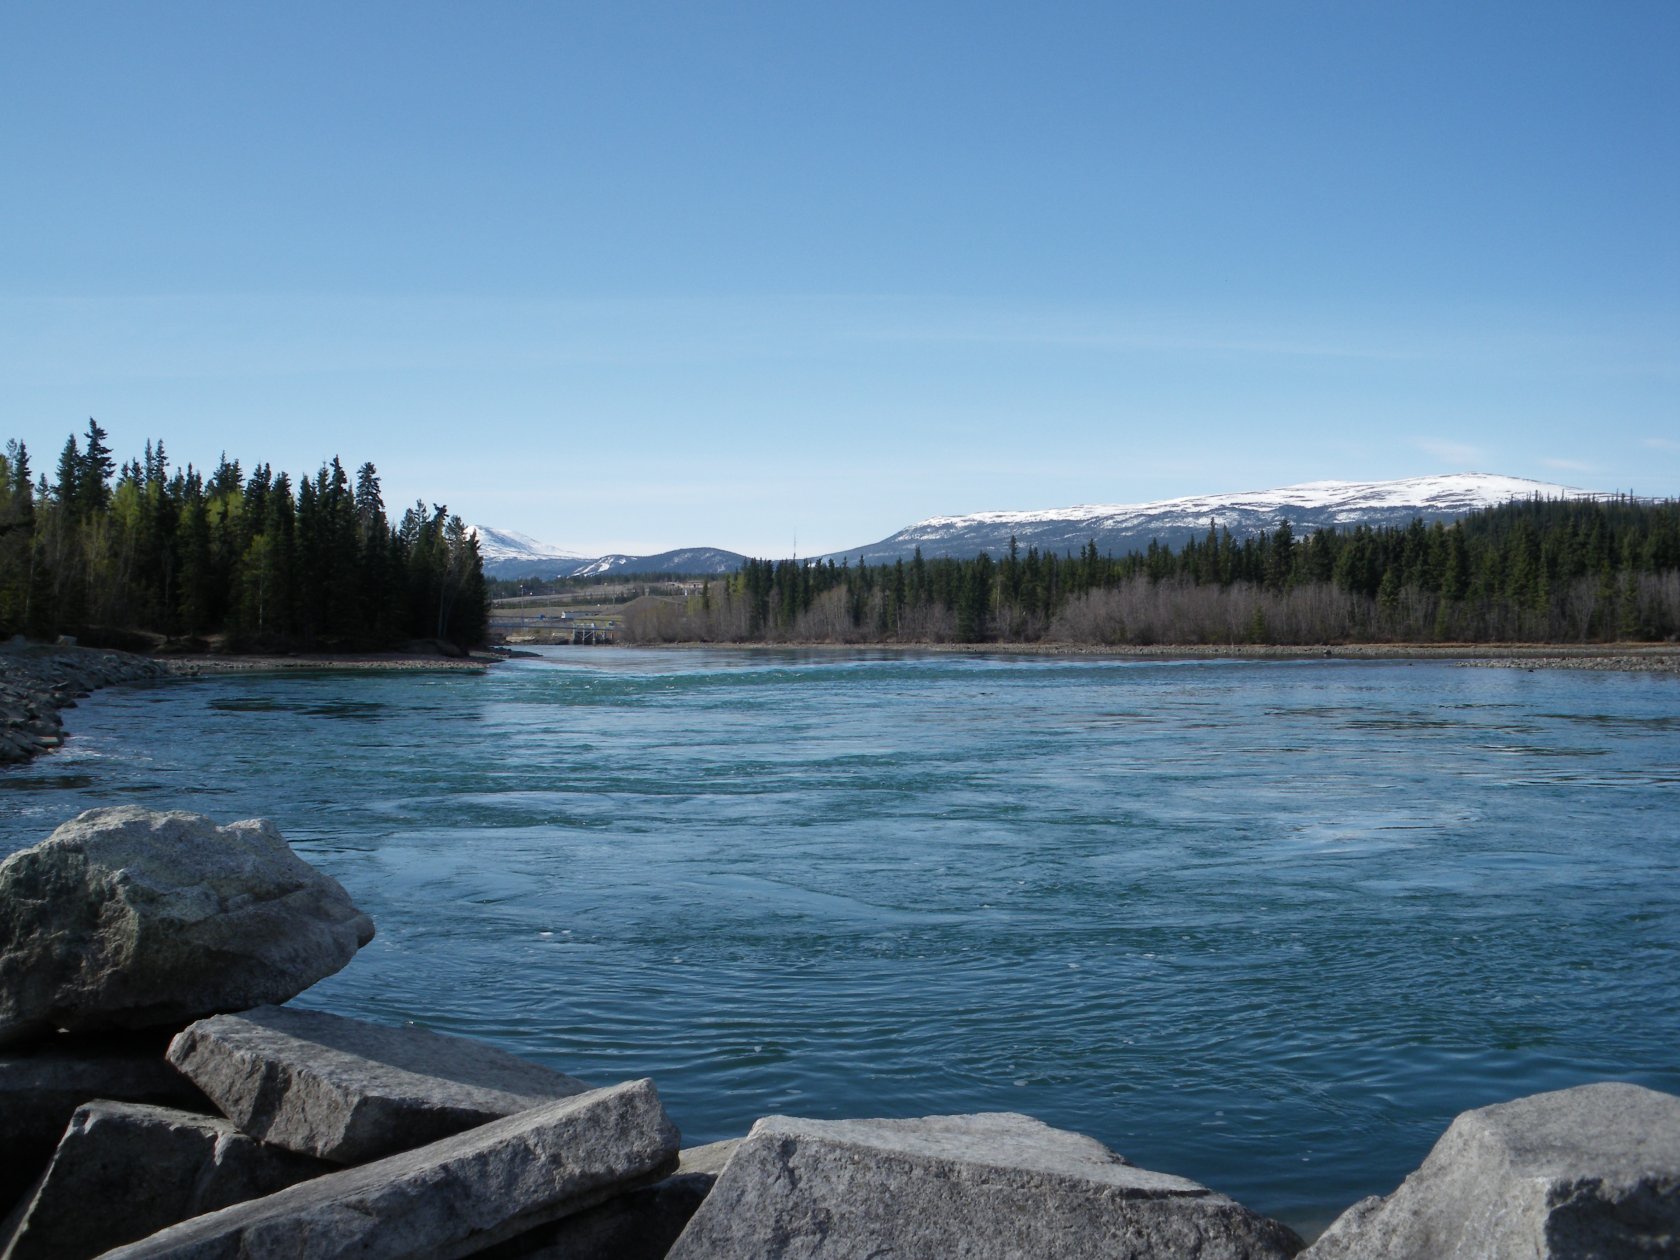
{"x": 1658, "y": 658}
{"x": 346, "y": 662}
{"x": 38, "y": 680}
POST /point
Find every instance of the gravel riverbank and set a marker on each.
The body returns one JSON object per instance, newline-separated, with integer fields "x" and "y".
{"x": 1663, "y": 658}
{"x": 375, "y": 662}
{"x": 1655, "y": 661}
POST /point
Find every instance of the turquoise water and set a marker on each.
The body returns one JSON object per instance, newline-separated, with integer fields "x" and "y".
{"x": 1267, "y": 925}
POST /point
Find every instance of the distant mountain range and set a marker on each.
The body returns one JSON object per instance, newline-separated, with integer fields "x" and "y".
{"x": 1115, "y": 528}
{"x": 1119, "y": 528}
{"x": 510, "y": 555}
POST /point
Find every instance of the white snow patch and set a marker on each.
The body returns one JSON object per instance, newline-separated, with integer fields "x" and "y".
{"x": 1343, "y": 500}
{"x": 505, "y": 544}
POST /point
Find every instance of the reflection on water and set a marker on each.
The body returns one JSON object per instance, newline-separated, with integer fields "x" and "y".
{"x": 1265, "y": 925}
{"x": 21, "y": 781}
{"x": 334, "y": 708}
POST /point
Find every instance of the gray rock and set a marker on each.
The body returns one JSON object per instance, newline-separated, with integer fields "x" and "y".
{"x": 126, "y": 1170}
{"x": 1587, "y": 1172}
{"x": 128, "y": 918}
{"x": 41, "y": 1088}
{"x": 451, "y": 1198}
{"x": 982, "y": 1186}
{"x": 351, "y": 1091}
{"x": 639, "y": 1224}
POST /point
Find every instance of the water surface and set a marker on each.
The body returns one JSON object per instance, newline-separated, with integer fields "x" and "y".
{"x": 1269, "y": 925}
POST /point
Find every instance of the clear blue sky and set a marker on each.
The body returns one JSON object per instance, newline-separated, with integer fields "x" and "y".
{"x": 632, "y": 276}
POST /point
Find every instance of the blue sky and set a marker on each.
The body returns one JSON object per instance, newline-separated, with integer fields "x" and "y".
{"x": 633, "y": 276}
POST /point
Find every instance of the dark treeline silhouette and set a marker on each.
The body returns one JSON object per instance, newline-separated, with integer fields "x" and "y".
{"x": 115, "y": 554}
{"x": 1529, "y": 571}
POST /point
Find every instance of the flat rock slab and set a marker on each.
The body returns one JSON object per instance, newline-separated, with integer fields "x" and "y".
{"x": 981, "y": 1187}
{"x": 130, "y": 918}
{"x": 126, "y": 1170}
{"x": 451, "y": 1198}
{"x": 1592, "y": 1171}
{"x": 41, "y": 1088}
{"x": 639, "y": 1224}
{"x": 349, "y": 1091}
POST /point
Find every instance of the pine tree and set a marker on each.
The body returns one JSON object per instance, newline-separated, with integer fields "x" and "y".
{"x": 93, "y": 492}
{"x": 67, "y": 488}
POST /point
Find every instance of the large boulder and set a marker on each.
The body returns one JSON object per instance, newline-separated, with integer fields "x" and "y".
{"x": 984, "y": 1187}
{"x": 1590, "y": 1173}
{"x": 126, "y": 1170}
{"x": 129, "y": 918}
{"x": 463, "y": 1194}
{"x": 349, "y": 1091}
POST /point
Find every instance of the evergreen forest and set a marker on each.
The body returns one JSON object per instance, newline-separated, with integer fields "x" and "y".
{"x": 140, "y": 554}
{"x": 1530, "y": 571}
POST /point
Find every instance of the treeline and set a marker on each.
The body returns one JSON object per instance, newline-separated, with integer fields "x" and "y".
{"x": 113, "y": 553}
{"x": 1528, "y": 571}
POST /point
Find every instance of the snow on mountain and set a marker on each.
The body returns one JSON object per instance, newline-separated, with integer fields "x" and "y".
{"x": 504, "y": 544}
{"x": 1115, "y": 528}
{"x": 1119, "y": 528}
{"x": 507, "y": 554}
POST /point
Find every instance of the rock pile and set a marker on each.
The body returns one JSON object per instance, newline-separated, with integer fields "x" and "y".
{"x": 283, "y": 1132}
{"x": 36, "y": 682}
{"x": 452, "y": 1197}
{"x": 42, "y": 1084}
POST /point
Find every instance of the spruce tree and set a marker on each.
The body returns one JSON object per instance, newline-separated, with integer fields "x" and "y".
{"x": 93, "y": 492}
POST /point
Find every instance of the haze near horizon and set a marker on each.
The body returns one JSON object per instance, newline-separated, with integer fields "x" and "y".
{"x": 631, "y": 278}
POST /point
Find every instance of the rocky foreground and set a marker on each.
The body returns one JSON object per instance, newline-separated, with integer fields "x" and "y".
{"x": 159, "y": 1099}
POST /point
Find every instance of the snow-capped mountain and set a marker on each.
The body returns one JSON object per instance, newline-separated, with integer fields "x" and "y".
{"x": 1119, "y": 528}
{"x": 1115, "y": 528}
{"x": 510, "y": 555}
{"x": 507, "y": 554}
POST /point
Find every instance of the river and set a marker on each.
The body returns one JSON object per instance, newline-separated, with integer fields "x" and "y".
{"x": 1269, "y": 925}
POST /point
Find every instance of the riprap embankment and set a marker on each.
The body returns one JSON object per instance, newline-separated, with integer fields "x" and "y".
{"x": 36, "y": 682}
